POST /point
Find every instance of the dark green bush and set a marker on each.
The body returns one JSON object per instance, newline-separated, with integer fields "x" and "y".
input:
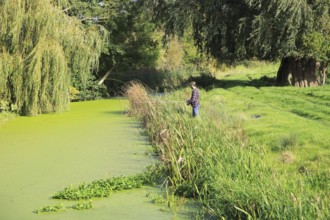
{"x": 88, "y": 90}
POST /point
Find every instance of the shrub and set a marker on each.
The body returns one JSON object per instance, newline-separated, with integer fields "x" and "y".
{"x": 4, "y": 105}
{"x": 74, "y": 94}
{"x": 87, "y": 90}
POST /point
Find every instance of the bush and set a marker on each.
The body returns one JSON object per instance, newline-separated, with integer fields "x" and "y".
{"x": 4, "y": 105}
{"x": 204, "y": 80}
{"x": 74, "y": 94}
{"x": 87, "y": 90}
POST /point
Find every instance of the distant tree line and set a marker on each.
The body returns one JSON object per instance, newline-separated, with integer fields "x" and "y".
{"x": 51, "y": 49}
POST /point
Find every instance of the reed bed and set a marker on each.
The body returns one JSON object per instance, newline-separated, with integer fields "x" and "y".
{"x": 208, "y": 159}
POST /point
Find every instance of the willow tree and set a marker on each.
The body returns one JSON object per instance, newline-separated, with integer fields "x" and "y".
{"x": 132, "y": 46}
{"x": 296, "y": 31}
{"x": 40, "y": 47}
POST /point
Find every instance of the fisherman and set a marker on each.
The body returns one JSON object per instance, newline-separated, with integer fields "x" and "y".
{"x": 194, "y": 100}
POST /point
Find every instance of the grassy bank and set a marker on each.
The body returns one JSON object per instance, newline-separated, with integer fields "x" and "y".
{"x": 257, "y": 152}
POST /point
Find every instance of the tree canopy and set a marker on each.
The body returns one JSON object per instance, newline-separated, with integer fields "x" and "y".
{"x": 131, "y": 43}
{"x": 41, "y": 46}
{"x": 266, "y": 29}
{"x": 45, "y": 44}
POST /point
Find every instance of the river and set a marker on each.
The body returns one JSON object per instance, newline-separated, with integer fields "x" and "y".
{"x": 41, "y": 155}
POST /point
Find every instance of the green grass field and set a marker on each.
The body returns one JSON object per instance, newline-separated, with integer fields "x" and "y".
{"x": 256, "y": 152}
{"x": 285, "y": 121}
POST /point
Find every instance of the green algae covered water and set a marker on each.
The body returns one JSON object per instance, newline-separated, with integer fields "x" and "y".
{"x": 41, "y": 155}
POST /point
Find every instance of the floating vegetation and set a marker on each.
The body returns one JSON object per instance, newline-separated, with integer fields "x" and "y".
{"x": 153, "y": 175}
{"x": 47, "y": 209}
{"x": 99, "y": 188}
{"x": 82, "y": 205}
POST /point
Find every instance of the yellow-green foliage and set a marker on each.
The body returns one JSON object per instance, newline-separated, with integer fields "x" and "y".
{"x": 172, "y": 56}
{"x": 74, "y": 92}
{"x": 40, "y": 46}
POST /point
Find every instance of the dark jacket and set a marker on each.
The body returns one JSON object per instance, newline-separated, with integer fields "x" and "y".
{"x": 194, "y": 100}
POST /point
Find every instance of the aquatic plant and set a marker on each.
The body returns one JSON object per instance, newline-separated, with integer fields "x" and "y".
{"x": 47, "y": 209}
{"x": 82, "y": 205}
{"x": 99, "y": 188}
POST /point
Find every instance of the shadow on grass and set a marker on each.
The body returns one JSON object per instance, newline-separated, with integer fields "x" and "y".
{"x": 209, "y": 82}
{"x": 159, "y": 81}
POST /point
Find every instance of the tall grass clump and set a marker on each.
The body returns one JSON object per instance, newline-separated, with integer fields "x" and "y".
{"x": 209, "y": 159}
{"x": 140, "y": 102}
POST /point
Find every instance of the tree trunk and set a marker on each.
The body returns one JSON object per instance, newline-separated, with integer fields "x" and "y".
{"x": 282, "y": 78}
{"x": 104, "y": 77}
{"x": 300, "y": 72}
{"x": 323, "y": 74}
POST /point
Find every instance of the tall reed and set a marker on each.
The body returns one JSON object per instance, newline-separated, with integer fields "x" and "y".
{"x": 209, "y": 159}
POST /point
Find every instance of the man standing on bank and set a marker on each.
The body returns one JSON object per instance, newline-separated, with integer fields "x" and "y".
{"x": 194, "y": 100}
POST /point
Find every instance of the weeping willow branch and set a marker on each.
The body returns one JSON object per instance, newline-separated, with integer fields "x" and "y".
{"x": 40, "y": 47}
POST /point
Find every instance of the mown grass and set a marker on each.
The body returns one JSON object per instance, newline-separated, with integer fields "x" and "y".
{"x": 250, "y": 155}
{"x": 287, "y": 114}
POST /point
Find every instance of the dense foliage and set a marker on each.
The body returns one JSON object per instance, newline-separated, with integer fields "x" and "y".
{"x": 250, "y": 28}
{"x": 40, "y": 48}
{"x": 132, "y": 42}
{"x": 132, "y": 45}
